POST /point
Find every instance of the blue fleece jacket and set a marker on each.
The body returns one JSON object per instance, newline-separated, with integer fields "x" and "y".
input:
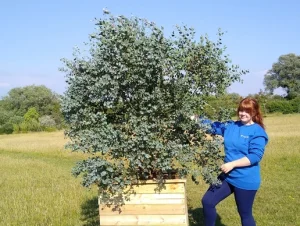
{"x": 242, "y": 141}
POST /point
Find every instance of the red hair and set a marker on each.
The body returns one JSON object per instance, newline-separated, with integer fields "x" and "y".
{"x": 251, "y": 106}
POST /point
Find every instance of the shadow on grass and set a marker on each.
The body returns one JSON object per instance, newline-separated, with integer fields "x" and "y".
{"x": 90, "y": 212}
{"x": 196, "y": 218}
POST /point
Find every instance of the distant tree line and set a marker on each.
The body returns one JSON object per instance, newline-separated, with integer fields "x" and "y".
{"x": 270, "y": 103}
{"x": 284, "y": 74}
{"x": 30, "y": 108}
{"x": 37, "y": 108}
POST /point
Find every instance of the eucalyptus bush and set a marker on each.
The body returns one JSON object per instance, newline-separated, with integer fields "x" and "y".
{"x": 130, "y": 100}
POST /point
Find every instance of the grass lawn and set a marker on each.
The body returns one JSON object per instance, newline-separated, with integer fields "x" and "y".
{"x": 37, "y": 188}
{"x": 36, "y": 184}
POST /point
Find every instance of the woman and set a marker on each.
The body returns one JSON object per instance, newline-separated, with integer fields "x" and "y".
{"x": 244, "y": 144}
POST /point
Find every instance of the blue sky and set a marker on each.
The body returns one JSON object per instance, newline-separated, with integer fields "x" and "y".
{"x": 36, "y": 34}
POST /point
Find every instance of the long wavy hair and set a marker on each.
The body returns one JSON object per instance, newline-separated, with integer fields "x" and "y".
{"x": 251, "y": 106}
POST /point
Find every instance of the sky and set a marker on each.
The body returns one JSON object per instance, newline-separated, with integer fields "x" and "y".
{"x": 36, "y": 34}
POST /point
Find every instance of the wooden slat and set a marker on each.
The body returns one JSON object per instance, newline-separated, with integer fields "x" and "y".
{"x": 168, "y": 181}
{"x": 186, "y": 210}
{"x": 145, "y": 209}
{"x": 168, "y": 188}
{"x": 148, "y": 225}
{"x": 157, "y": 196}
{"x": 143, "y": 220}
{"x": 154, "y": 201}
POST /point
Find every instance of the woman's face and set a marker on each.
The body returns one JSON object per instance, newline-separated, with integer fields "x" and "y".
{"x": 245, "y": 118}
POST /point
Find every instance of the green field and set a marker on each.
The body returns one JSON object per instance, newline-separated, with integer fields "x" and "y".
{"x": 37, "y": 188}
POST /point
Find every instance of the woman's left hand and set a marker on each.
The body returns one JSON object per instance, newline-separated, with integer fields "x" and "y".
{"x": 227, "y": 167}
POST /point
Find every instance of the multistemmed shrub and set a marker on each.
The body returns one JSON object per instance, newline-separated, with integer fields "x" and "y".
{"x": 130, "y": 100}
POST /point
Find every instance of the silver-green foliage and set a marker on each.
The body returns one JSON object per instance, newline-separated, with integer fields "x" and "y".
{"x": 47, "y": 121}
{"x": 130, "y": 100}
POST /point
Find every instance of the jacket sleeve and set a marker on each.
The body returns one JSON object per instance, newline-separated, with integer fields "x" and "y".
{"x": 257, "y": 147}
{"x": 215, "y": 128}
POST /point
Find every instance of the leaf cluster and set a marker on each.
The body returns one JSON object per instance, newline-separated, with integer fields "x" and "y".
{"x": 130, "y": 99}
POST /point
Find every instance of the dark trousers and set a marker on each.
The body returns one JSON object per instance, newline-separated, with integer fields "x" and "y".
{"x": 244, "y": 200}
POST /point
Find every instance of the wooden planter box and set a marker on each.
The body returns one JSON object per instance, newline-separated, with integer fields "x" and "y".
{"x": 146, "y": 207}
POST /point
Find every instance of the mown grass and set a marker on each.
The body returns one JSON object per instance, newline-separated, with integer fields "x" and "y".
{"x": 37, "y": 188}
{"x": 36, "y": 185}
